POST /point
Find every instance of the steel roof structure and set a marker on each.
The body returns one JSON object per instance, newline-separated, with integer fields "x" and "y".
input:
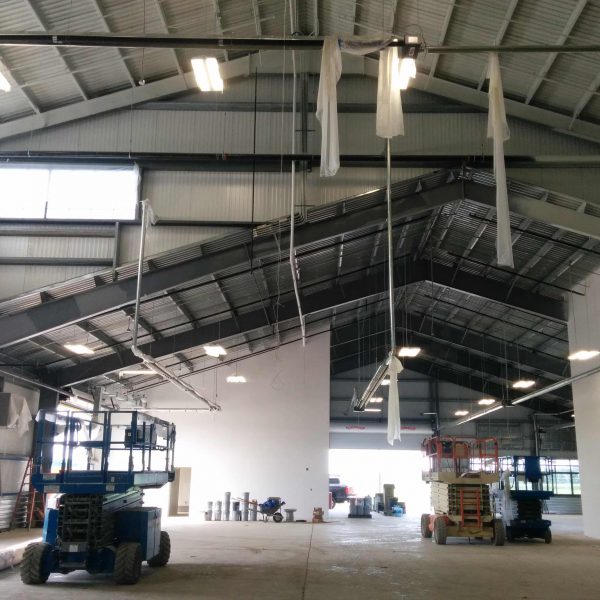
{"x": 477, "y": 324}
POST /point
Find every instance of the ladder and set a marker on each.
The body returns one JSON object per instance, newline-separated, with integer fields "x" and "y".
{"x": 30, "y": 504}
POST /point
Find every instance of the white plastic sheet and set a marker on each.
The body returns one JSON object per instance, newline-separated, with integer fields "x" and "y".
{"x": 499, "y": 131}
{"x": 19, "y": 415}
{"x": 394, "y": 427}
{"x": 389, "y": 120}
{"x": 331, "y": 70}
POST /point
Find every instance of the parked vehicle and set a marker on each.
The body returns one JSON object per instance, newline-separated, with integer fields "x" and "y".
{"x": 339, "y": 491}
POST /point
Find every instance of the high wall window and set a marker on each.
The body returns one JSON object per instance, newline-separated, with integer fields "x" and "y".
{"x": 66, "y": 192}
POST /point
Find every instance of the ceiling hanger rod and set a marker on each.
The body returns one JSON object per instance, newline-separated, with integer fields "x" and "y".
{"x": 248, "y": 43}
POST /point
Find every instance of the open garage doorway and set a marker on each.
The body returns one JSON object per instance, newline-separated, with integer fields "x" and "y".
{"x": 365, "y": 471}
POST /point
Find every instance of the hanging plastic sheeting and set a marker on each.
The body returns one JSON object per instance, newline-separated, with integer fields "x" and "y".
{"x": 394, "y": 427}
{"x": 498, "y": 130}
{"x": 390, "y": 120}
{"x": 19, "y": 415}
{"x": 331, "y": 70}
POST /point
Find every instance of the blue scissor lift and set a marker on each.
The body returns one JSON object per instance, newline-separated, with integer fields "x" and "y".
{"x": 99, "y": 463}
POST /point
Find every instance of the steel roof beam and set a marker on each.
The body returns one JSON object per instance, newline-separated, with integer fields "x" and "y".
{"x": 271, "y": 62}
{"x": 471, "y": 340}
{"x": 551, "y": 58}
{"x": 45, "y": 26}
{"x": 442, "y": 38}
{"x": 538, "y": 210}
{"x": 119, "y": 52}
{"x": 442, "y": 350}
{"x": 115, "y": 295}
{"x": 165, "y": 26}
{"x": 510, "y": 11}
{"x": 347, "y": 291}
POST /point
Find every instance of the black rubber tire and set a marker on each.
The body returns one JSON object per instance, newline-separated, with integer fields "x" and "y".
{"x": 548, "y": 537}
{"x": 440, "y": 531}
{"x": 34, "y": 570}
{"x": 164, "y": 551}
{"x": 128, "y": 563}
{"x": 425, "y": 531}
{"x": 499, "y": 533}
{"x": 277, "y": 517}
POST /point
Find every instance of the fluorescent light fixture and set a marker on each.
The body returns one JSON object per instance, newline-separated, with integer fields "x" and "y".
{"x": 215, "y": 351}
{"x": 4, "y": 84}
{"x": 584, "y": 354}
{"x": 408, "y": 351}
{"x": 411, "y": 39}
{"x": 372, "y": 410}
{"x": 127, "y": 372}
{"x": 236, "y": 379}
{"x": 386, "y": 381}
{"x": 479, "y": 414}
{"x": 573, "y": 415}
{"x": 486, "y": 401}
{"x": 79, "y": 349}
{"x": 461, "y": 413}
{"x": 206, "y": 72}
{"x": 523, "y": 384}
{"x": 408, "y": 71}
{"x": 376, "y": 400}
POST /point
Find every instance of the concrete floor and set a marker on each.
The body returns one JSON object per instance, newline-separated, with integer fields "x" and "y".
{"x": 345, "y": 559}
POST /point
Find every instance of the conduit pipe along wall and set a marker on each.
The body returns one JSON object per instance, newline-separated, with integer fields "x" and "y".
{"x": 149, "y": 361}
{"x": 293, "y": 264}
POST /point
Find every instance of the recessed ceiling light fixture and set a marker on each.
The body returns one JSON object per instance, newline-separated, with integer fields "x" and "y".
{"x": 215, "y": 350}
{"x": 78, "y": 349}
{"x": 376, "y": 400}
{"x": 236, "y": 379}
{"x": 207, "y": 74}
{"x": 584, "y": 354}
{"x": 486, "y": 401}
{"x": 461, "y": 413}
{"x": 523, "y": 384}
{"x": 409, "y": 351}
{"x": 4, "y": 84}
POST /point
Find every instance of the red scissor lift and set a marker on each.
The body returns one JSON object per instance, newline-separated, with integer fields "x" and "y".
{"x": 460, "y": 471}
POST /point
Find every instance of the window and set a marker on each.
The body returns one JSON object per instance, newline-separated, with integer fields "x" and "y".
{"x": 61, "y": 192}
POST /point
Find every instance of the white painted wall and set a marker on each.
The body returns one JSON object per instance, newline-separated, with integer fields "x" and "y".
{"x": 271, "y": 437}
{"x": 584, "y": 333}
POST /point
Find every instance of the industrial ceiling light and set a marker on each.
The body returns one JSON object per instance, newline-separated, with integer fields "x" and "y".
{"x": 215, "y": 350}
{"x": 127, "y": 372}
{"x": 409, "y": 351}
{"x": 386, "y": 381}
{"x": 461, "y": 413}
{"x": 236, "y": 379}
{"x": 78, "y": 349}
{"x": 479, "y": 414}
{"x": 206, "y": 72}
{"x": 523, "y": 384}
{"x": 372, "y": 410}
{"x": 486, "y": 401}
{"x": 4, "y": 84}
{"x": 376, "y": 400}
{"x": 408, "y": 71}
{"x": 584, "y": 354}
